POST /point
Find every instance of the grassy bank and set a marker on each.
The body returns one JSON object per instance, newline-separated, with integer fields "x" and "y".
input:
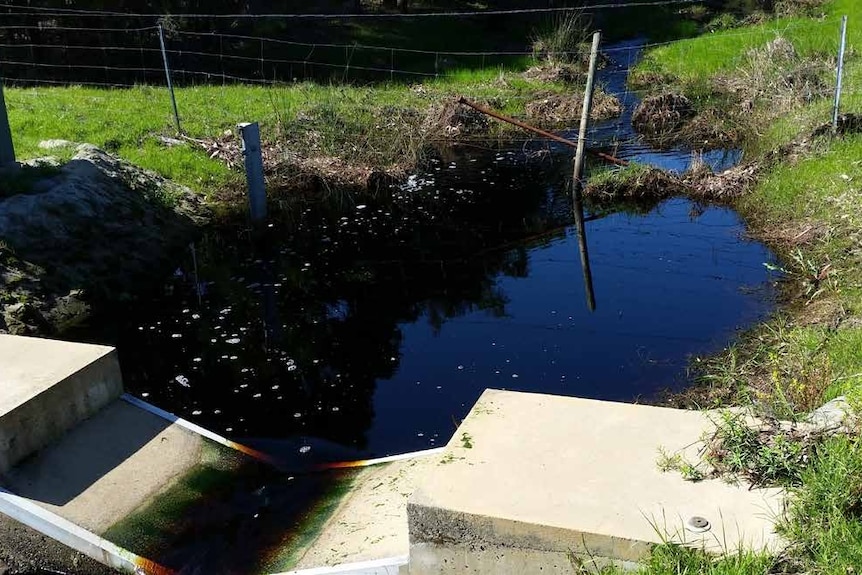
{"x": 385, "y": 127}
{"x": 805, "y": 205}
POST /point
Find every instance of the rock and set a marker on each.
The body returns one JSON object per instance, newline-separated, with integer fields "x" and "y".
{"x": 834, "y": 416}
{"x": 113, "y": 229}
{"x": 69, "y": 310}
{"x": 24, "y": 319}
{"x": 56, "y": 144}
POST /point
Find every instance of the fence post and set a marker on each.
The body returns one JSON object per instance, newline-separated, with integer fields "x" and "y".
{"x": 579, "y": 170}
{"x": 253, "y": 170}
{"x": 841, "y": 48}
{"x": 7, "y": 152}
{"x": 168, "y": 77}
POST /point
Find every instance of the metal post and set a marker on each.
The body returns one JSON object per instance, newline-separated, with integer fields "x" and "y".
{"x": 168, "y": 77}
{"x": 254, "y": 170}
{"x": 579, "y": 170}
{"x": 7, "y": 151}
{"x": 841, "y": 49}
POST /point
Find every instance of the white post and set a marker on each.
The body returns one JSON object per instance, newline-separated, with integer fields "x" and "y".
{"x": 254, "y": 170}
{"x": 7, "y": 152}
{"x": 168, "y": 77}
{"x": 841, "y": 49}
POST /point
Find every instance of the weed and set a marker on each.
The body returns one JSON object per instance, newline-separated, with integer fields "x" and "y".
{"x": 466, "y": 441}
{"x": 676, "y": 462}
{"x": 560, "y": 41}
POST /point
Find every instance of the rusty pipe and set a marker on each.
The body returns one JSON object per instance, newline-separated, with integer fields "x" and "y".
{"x": 539, "y": 131}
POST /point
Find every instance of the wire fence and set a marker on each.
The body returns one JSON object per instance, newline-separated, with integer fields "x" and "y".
{"x": 37, "y": 54}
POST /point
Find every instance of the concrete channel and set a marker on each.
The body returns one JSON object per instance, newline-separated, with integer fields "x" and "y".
{"x": 527, "y": 481}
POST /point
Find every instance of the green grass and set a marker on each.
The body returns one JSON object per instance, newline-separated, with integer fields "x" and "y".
{"x": 811, "y": 351}
{"x": 725, "y": 50}
{"x": 352, "y": 122}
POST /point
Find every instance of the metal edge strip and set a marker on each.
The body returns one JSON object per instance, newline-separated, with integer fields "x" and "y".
{"x": 194, "y": 428}
{"x": 52, "y": 525}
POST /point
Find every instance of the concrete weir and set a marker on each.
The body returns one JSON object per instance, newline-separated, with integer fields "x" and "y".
{"x": 533, "y": 481}
{"x": 528, "y": 482}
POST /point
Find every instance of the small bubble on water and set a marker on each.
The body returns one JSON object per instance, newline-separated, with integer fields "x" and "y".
{"x": 145, "y": 395}
{"x": 460, "y": 367}
{"x": 197, "y": 360}
{"x": 197, "y": 412}
{"x": 305, "y": 449}
{"x": 232, "y": 340}
{"x": 182, "y": 380}
{"x": 515, "y": 376}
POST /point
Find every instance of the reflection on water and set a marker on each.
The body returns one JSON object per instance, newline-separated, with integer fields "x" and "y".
{"x": 376, "y": 326}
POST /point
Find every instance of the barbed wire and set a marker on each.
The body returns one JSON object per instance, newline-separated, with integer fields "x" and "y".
{"x": 77, "y": 28}
{"x": 72, "y": 12}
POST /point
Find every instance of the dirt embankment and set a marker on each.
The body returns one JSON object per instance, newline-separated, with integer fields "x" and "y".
{"x": 92, "y": 230}
{"x": 772, "y": 80}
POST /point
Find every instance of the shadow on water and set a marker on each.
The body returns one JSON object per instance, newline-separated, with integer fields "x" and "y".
{"x": 346, "y": 331}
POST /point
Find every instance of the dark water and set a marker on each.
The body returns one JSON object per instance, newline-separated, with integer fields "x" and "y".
{"x": 376, "y": 326}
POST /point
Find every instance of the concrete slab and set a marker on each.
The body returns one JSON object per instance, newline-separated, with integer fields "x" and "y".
{"x": 48, "y": 387}
{"x": 107, "y": 467}
{"x": 567, "y": 476}
{"x": 370, "y": 523}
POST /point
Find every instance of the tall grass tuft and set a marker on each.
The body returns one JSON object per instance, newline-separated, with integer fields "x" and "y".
{"x": 560, "y": 41}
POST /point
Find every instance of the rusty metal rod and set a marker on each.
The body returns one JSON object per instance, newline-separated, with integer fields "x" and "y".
{"x": 535, "y": 130}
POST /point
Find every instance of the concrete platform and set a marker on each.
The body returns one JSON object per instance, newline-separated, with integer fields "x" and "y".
{"x": 534, "y": 480}
{"x": 369, "y": 526}
{"x": 107, "y": 467}
{"x": 48, "y": 387}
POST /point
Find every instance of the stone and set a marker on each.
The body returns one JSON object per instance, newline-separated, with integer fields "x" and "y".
{"x": 24, "y": 319}
{"x": 55, "y": 144}
{"x": 833, "y": 416}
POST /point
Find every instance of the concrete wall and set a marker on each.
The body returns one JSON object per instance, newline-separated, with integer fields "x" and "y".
{"x": 48, "y": 415}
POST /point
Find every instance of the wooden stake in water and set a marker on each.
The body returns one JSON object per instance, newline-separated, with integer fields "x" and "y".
{"x": 577, "y": 183}
{"x": 195, "y": 268}
{"x": 254, "y": 170}
{"x": 168, "y": 77}
{"x": 841, "y": 48}
{"x": 7, "y": 152}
